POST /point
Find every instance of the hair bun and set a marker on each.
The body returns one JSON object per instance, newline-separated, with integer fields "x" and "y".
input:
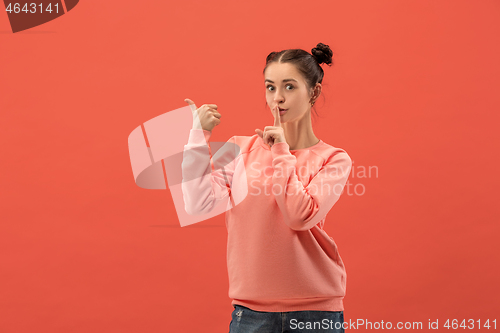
{"x": 322, "y": 53}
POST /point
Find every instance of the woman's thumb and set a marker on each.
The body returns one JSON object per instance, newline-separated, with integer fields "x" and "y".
{"x": 259, "y": 132}
{"x": 191, "y": 104}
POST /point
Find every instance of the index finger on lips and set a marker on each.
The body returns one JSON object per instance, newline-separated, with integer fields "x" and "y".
{"x": 276, "y": 113}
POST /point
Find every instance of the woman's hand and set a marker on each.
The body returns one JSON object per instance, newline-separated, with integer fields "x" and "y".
{"x": 206, "y": 117}
{"x": 273, "y": 134}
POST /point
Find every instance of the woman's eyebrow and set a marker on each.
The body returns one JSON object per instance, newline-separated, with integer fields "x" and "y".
{"x": 283, "y": 80}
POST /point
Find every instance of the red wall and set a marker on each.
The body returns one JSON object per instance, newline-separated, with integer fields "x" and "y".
{"x": 413, "y": 93}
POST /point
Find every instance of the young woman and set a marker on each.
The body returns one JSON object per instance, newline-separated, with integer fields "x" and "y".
{"x": 285, "y": 273}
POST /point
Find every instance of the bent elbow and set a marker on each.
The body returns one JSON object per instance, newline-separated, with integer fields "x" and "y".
{"x": 197, "y": 210}
{"x": 189, "y": 211}
{"x": 299, "y": 225}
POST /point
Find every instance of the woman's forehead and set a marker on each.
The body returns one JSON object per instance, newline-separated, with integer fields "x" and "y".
{"x": 277, "y": 72}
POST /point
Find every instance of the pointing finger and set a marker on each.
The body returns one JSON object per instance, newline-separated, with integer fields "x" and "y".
{"x": 191, "y": 104}
{"x": 276, "y": 113}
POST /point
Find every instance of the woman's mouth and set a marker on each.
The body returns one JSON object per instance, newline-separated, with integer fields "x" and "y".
{"x": 282, "y": 111}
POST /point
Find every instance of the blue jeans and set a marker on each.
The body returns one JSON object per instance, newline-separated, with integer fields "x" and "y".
{"x": 245, "y": 320}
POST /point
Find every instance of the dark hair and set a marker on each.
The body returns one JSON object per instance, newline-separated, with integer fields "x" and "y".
{"x": 308, "y": 64}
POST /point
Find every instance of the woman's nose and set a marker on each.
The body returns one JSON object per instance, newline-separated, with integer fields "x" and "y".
{"x": 278, "y": 98}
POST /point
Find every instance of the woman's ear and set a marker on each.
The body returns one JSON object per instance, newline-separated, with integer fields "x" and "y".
{"x": 317, "y": 90}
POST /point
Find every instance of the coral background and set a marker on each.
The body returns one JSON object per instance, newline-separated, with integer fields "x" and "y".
{"x": 413, "y": 93}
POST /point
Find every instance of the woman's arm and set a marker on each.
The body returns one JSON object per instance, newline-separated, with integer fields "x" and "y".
{"x": 205, "y": 186}
{"x": 303, "y": 207}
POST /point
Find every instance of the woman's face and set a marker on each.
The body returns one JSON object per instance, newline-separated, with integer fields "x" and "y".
{"x": 286, "y": 87}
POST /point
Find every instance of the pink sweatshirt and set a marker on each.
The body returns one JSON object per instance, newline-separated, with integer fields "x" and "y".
{"x": 279, "y": 258}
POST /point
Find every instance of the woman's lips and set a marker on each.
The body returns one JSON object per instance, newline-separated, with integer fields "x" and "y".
{"x": 282, "y": 111}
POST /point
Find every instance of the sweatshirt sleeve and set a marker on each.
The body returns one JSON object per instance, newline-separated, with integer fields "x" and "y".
{"x": 303, "y": 207}
{"x": 206, "y": 182}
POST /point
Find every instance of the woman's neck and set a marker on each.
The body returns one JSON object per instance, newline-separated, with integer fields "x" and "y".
{"x": 299, "y": 134}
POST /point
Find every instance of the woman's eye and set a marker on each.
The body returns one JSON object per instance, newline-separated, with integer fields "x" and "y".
{"x": 291, "y": 86}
